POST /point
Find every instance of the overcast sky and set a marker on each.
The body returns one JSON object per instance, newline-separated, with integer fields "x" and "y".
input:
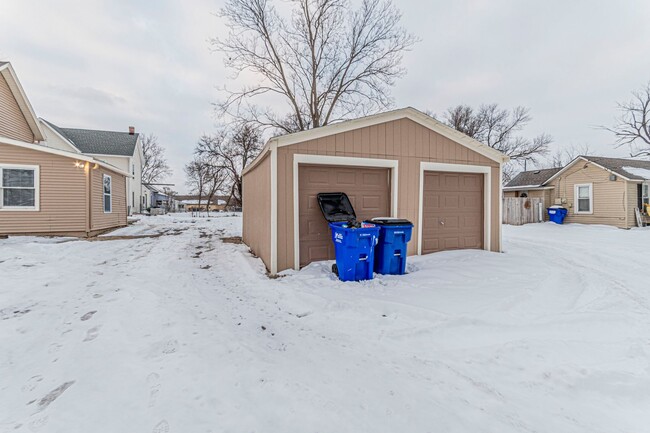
{"x": 109, "y": 64}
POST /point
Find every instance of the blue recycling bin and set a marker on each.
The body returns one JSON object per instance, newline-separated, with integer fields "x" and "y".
{"x": 390, "y": 254}
{"x": 355, "y": 250}
{"x": 557, "y": 214}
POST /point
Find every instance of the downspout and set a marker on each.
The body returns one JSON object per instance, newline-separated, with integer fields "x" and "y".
{"x": 89, "y": 193}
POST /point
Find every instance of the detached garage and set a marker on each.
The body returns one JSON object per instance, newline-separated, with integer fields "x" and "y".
{"x": 402, "y": 163}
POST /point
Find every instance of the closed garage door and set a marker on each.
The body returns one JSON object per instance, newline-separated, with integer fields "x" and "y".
{"x": 367, "y": 188}
{"x": 452, "y": 212}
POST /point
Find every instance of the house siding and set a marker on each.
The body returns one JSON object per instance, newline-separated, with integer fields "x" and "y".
{"x": 610, "y": 198}
{"x": 403, "y": 140}
{"x": 99, "y": 220}
{"x": 632, "y": 202}
{"x": 256, "y": 230}
{"x": 12, "y": 121}
{"x": 62, "y": 195}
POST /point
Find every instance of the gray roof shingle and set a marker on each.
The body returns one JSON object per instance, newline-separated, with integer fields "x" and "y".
{"x": 616, "y": 165}
{"x": 532, "y": 177}
{"x": 99, "y": 142}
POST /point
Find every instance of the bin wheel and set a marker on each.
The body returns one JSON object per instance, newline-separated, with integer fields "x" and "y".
{"x": 335, "y": 269}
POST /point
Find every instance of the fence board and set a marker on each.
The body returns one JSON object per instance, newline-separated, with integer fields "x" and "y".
{"x": 518, "y": 211}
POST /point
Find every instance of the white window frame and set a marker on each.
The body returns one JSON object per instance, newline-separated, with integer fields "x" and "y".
{"x": 110, "y": 194}
{"x": 576, "y": 188}
{"x": 646, "y": 186}
{"x": 37, "y": 189}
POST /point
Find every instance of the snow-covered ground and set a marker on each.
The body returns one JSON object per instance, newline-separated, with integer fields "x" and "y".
{"x": 185, "y": 333}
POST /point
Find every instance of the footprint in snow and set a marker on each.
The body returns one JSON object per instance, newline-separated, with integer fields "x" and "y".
{"x": 170, "y": 347}
{"x": 161, "y": 427}
{"x": 154, "y": 388}
{"x": 92, "y": 333}
{"x": 88, "y": 315}
{"x": 54, "y": 394}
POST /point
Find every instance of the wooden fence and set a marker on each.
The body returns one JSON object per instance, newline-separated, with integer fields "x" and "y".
{"x": 518, "y": 211}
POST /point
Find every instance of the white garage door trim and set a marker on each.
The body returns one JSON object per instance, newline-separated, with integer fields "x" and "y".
{"x": 336, "y": 160}
{"x": 487, "y": 195}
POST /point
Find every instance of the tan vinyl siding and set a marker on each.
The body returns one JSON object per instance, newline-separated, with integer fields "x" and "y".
{"x": 256, "y": 230}
{"x": 610, "y": 198}
{"x": 404, "y": 140}
{"x": 101, "y": 220}
{"x": 62, "y": 195}
{"x": 632, "y": 202}
{"x": 12, "y": 121}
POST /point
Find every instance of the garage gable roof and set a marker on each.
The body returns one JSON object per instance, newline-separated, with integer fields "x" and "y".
{"x": 388, "y": 116}
{"x": 402, "y": 113}
{"x": 8, "y": 73}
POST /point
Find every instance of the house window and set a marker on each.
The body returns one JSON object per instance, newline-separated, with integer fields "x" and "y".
{"x": 584, "y": 198}
{"x": 645, "y": 195}
{"x": 108, "y": 194}
{"x": 19, "y": 187}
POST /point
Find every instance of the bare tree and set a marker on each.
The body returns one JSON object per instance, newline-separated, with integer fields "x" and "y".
{"x": 325, "y": 61}
{"x": 171, "y": 196}
{"x": 206, "y": 176}
{"x": 232, "y": 150}
{"x": 197, "y": 172}
{"x": 565, "y": 155}
{"x": 154, "y": 166}
{"x": 633, "y": 127}
{"x": 499, "y": 128}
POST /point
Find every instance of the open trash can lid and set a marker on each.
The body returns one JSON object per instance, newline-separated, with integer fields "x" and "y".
{"x": 335, "y": 206}
{"x": 388, "y": 221}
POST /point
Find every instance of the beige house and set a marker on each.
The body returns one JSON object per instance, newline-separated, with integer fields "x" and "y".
{"x": 119, "y": 149}
{"x": 599, "y": 190}
{"x": 533, "y": 184}
{"x": 190, "y": 203}
{"x": 401, "y": 163}
{"x": 50, "y": 191}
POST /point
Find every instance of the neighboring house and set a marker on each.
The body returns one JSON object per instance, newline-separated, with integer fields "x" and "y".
{"x": 120, "y": 149}
{"x": 401, "y": 163}
{"x": 47, "y": 190}
{"x": 154, "y": 197}
{"x": 190, "y": 203}
{"x": 599, "y": 190}
{"x": 532, "y": 184}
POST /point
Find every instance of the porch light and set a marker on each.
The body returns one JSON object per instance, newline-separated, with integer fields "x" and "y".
{"x": 79, "y": 164}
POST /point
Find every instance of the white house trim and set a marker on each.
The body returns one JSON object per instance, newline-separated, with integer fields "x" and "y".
{"x": 7, "y": 71}
{"x": 569, "y": 165}
{"x": 54, "y": 151}
{"x": 576, "y": 198}
{"x": 37, "y": 188}
{"x": 298, "y": 159}
{"x": 487, "y": 195}
{"x": 274, "y": 209}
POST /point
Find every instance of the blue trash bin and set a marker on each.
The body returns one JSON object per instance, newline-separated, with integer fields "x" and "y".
{"x": 390, "y": 253}
{"x": 557, "y": 214}
{"x": 355, "y": 250}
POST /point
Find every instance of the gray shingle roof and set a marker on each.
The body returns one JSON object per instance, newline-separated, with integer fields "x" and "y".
{"x": 616, "y": 165}
{"x": 99, "y": 142}
{"x": 533, "y": 177}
